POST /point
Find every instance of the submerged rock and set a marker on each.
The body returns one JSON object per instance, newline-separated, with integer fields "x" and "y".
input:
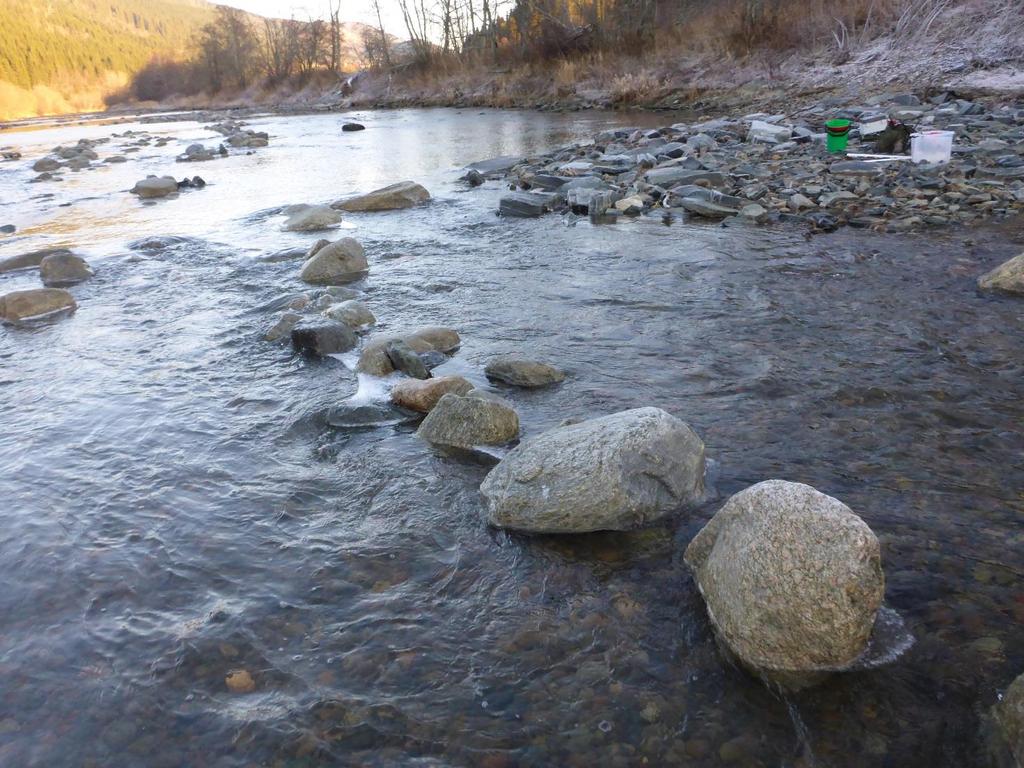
{"x": 339, "y": 262}
{"x": 155, "y": 187}
{"x": 615, "y": 472}
{"x": 367, "y": 415}
{"x": 466, "y": 422}
{"x": 423, "y": 395}
{"x": 312, "y": 219}
{"x": 62, "y": 269}
{"x": 23, "y": 305}
{"x": 792, "y": 579}
{"x": 522, "y": 372}
{"x": 374, "y": 357}
{"x": 283, "y": 327}
{"x": 323, "y": 337}
{"x": 404, "y": 194}
{"x": 1008, "y": 277}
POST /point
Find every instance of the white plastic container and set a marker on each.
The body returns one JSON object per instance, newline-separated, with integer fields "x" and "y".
{"x": 931, "y": 146}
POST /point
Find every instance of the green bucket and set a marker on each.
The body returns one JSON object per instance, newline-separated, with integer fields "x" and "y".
{"x": 838, "y": 135}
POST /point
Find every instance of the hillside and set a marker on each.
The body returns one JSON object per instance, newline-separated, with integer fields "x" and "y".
{"x": 65, "y": 55}
{"x": 62, "y": 56}
{"x": 42, "y": 42}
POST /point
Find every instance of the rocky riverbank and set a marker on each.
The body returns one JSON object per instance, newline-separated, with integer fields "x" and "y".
{"x": 760, "y": 168}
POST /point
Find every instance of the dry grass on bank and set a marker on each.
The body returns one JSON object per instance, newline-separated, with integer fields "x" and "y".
{"x": 801, "y": 44}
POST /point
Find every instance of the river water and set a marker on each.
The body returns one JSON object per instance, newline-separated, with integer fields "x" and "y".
{"x": 176, "y": 508}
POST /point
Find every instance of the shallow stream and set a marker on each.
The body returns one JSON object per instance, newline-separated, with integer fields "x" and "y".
{"x": 175, "y": 506}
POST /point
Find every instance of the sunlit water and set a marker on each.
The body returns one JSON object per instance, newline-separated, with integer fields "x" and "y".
{"x": 175, "y": 506}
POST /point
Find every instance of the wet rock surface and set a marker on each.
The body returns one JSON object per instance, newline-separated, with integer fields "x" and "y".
{"x": 342, "y": 261}
{"x": 156, "y": 187}
{"x": 25, "y": 305}
{"x": 615, "y": 472}
{"x": 422, "y": 396}
{"x": 468, "y": 422}
{"x": 404, "y": 194}
{"x": 374, "y": 358}
{"x": 322, "y": 337}
{"x": 59, "y": 270}
{"x": 519, "y": 371}
{"x": 313, "y": 218}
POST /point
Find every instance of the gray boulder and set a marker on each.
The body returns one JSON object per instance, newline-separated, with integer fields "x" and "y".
{"x": 155, "y": 187}
{"x": 24, "y": 305}
{"x": 339, "y": 262}
{"x": 466, "y": 422}
{"x": 374, "y": 358}
{"x": 522, "y": 372}
{"x": 62, "y": 269}
{"x": 792, "y": 579}
{"x": 1008, "y": 277}
{"x": 45, "y": 164}
{"x": 496, "y": 165}
{"x": 525, "y": 205}
{"x": 312, "y": 218}
{"x": 352, "y": 313}
{"x": 324, "y": 337}
{"x": 616, "y": 472}
{"x": 405, "y": 360}
{"x": 404, "y": 194}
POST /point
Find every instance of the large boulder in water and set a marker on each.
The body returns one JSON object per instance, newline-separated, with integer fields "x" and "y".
{"x": 60, "y": 269}
{"x": 423, "y": 395}
{"x": 792, "y": 579}
{"x": 522, "y": 372}
{"x": 312, "y": 218}
{"x": 616, "y": 472}
{"x": 1008, "y": 277}
{"x": 339, "y": 262}
{"x": 153, "y": 187}
{"x": 1007, "y": 720}
{"x": 374, "y": 357}
{"x": 22, "y": 305}
{"x": 466, "y": 422}
{"x": 404, "y": 194}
